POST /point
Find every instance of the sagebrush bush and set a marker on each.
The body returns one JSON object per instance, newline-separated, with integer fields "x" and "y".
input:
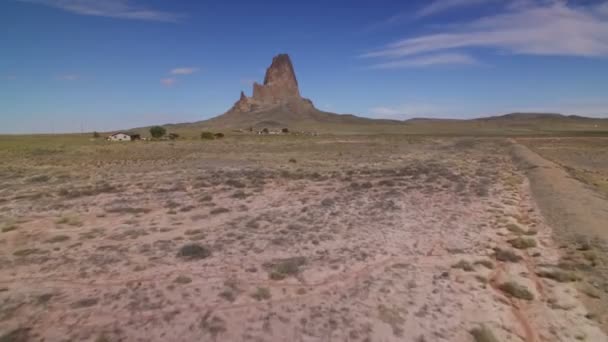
{"x": 157, "y": 132}
{"x": 194, "y": 251}
{"x": 516, "y": 290}
{"x": 207, "y": 136}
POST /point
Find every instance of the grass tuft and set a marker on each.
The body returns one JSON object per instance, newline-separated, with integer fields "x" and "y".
{"x": 194, "y": 252}
{"x": 515, "y": 229}
{"x": 261, "y": 293}
{"x": 483, "y": 334}
{"x": 557, "y": 275}
{"x": 485, "y": 263}
{"x": 464, "y": 265}
{"x": 9, "y": 228}
{"x": 58, "y": 238}
{"x": 516, "y": 290}
{"x": 284, "y": 268}
{"x": 506, "y": 255}
{"x": 522, "y": 243}
{"x": 17, "y": 335}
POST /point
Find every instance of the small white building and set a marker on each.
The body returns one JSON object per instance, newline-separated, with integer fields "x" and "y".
{"x": 119, "y": 137}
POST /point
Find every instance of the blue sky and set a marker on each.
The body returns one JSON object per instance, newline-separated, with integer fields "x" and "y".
{"x": 67, "y": 65}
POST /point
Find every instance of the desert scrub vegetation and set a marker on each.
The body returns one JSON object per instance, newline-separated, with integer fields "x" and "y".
{"x": 213, "y": 325}
{"x": 516, "y": 290}
{"x": 506, "y": 255}
{"x": 522, "y": 243}
{"x": 207, "y": 135}
{"x": 261, "y": 293}
{"x": 16, "y": 335}
{"x": 218, "y": 211}
{"x": 391, "y": 317}
{"x": 515, "y": 229}
{"x": 157, "y": 132}
{"x": 558, "y": 275}
{"x": 28, "y": 251}
{"x": 87, "y": 190}
{"x": 69, "y": 220}
{"x": 39, "y": 179}
{"x": 84, "y": 303}
{"x": 58, "y": 238}
{"x": 194, "y": 251}
{"x": 485, "y": 263}
{"x": 464, "y": 265}
{"x": 7, "y": 227}
{"x": 127, "y": 210}
{"x": 182, "y": 279}
{"x": 483, "y": 334}
{"x": 284, "y": 268}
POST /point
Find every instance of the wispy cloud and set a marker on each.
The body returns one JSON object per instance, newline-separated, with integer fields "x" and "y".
{"x": 439, "y": 6}
{"x": 184, "y": 71}
{"x": 124, "y": 9}
{"x": 428, "y": 60}
{"x": 534, "y": 29}
{"x": 69, "y": 77}
{"x": 168, "y": 82}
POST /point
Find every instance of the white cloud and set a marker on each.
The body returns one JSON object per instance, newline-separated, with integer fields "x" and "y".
{"x": 184, "y": 71}
{"x": 428, "y": 60}
{"x": 108, "y": 8}
{"x": 168, "y": 82}
{"x": 69, "y": 77}
{"x": 554, "y": 29}
{"x": 439, "y": 6}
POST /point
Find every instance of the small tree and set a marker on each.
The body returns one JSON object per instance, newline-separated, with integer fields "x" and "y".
{"x": 207, "y": 136}
{"x": 157, "y": 132}
{"x": 95, "y": 135}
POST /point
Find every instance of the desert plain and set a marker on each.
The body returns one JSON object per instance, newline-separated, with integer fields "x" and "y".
{"x": 304, "y": 238}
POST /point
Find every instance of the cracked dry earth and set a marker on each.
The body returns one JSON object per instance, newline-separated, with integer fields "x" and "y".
{"x": 432, "y": 240}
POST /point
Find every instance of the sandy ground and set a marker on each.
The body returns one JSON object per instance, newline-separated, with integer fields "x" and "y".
{"x": 416, "y": 243}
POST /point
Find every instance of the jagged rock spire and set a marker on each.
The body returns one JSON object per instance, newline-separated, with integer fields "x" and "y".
{"x": 280, "y": 87}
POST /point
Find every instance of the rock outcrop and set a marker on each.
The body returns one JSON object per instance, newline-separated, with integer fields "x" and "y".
{"x": 280, "y": 88}
{"x": 278, "y": 104}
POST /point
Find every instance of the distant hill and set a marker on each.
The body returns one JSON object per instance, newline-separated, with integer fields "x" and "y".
{"x": 277, "y": 103}
{"x": 536, "y": 116}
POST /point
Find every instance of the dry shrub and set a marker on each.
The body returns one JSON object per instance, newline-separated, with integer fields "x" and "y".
{"x": 194, "y": 251}
{"x": 516, "y": 290}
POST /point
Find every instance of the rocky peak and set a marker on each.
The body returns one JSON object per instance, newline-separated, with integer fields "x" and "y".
{"x": 280, "y": 82}
{"x": 280, "y": 87}
{"x": 281, "y": 73}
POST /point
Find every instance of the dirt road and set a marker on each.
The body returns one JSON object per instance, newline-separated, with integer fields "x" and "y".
{"x": 578, "y": 217}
